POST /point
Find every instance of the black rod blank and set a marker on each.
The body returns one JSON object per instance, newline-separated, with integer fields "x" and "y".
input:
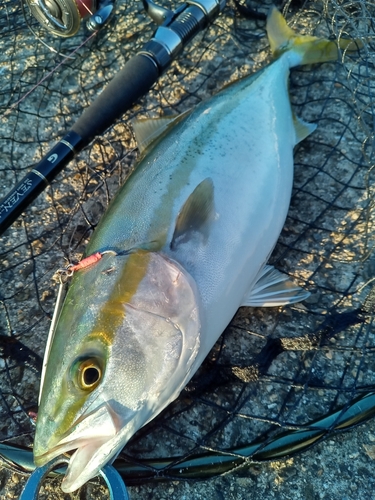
{"x": 137, "y": 77}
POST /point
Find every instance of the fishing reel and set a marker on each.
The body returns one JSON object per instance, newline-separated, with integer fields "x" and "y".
{"x": 63, "y": 17}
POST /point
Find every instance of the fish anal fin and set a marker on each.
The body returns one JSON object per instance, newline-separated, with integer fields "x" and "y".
{"x": 302, "y": 128}
{"x": 196, "y": 213}
{"x": 272, "y": 289}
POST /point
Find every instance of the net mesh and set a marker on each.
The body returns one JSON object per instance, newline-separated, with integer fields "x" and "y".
{"x": 273, "y": 369}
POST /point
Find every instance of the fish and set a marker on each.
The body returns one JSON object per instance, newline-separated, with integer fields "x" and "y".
{"x": 182, "y": 246}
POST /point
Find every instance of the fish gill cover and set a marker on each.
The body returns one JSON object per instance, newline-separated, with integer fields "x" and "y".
{"x": 272, "y": 371}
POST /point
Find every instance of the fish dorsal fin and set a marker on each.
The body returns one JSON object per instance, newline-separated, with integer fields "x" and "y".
{"x": 148, "y": 130}
{"x": 272, "y": 289}
{"x": 196, "y": 212}
{"x": 302, "y": 128}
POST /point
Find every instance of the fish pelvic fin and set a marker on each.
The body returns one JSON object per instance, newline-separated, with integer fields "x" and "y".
{"x": 305, "y": 49}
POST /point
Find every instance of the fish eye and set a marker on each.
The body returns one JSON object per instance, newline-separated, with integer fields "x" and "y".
{"x": 87, "y": 373}
{"x": 90, "y": 375}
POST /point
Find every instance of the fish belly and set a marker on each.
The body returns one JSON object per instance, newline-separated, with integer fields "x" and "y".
{"x": 243, "y": 140}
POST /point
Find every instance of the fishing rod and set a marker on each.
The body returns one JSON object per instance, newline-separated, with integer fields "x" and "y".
{"x": 176, "y": 29}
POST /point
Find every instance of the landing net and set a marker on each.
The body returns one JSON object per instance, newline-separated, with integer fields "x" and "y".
{"x": 278, "y": 379}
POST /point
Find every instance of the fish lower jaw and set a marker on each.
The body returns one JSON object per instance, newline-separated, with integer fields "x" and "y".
{"x": 85, "y": 460}
{"x": 85, "y": 463}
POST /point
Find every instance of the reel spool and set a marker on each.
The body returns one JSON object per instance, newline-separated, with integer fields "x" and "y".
{"x": 63, "y": 17}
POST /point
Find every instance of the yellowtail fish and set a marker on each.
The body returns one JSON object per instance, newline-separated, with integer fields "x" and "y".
{"x": 183, "y": 245}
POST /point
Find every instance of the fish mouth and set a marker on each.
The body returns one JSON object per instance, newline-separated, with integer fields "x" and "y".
{"x": 92, "y": 439}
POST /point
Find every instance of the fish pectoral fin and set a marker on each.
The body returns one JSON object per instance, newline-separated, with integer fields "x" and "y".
{"x": 272, "y": 289}
{"x": 197, "y": 211}
{"x": 148, "y": 130}
{"x": 302, "y": 128}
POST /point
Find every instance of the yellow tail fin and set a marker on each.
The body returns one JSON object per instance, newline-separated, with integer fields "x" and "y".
{"x": 310, "y": 49}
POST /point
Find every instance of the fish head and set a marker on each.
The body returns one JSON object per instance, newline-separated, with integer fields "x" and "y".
{"x": 122, "y": 350}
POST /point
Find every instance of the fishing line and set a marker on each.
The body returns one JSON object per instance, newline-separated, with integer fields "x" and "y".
{"x": 9, "y": 110}
{"x": 40, "y": 39}
{"x": 85, "y": 7}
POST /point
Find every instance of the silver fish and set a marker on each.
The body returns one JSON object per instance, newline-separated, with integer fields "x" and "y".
{"x": 183, "y": 246}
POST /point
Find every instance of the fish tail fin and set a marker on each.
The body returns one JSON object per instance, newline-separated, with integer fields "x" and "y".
{"x": 304, "y": 49}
